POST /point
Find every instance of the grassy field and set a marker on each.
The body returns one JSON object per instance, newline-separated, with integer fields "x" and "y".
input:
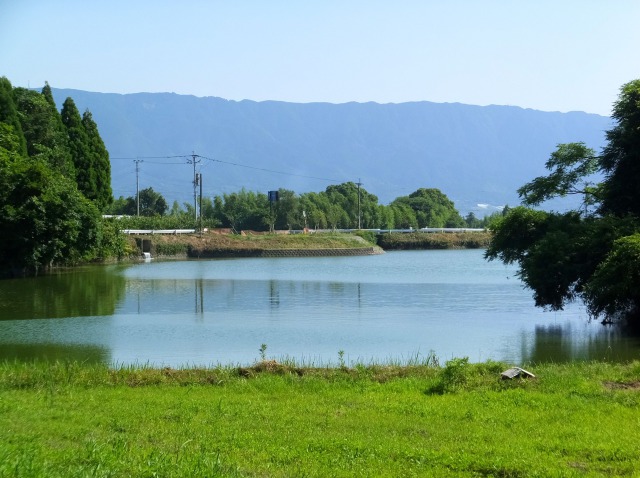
{"x": 458, "y": 419}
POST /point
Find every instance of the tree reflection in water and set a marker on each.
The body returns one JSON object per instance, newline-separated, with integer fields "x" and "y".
{"x": 80, "y": 292}
{"x": 55, "y": 352}
{"x": 562, "y": 343}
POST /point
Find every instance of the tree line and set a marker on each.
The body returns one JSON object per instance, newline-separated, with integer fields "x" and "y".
{"x": 341, "y": 206}
{"x": 55, "y": 180}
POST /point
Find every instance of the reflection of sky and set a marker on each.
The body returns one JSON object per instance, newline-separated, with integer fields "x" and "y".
{"x": 408, "y": 303}
{"x": 406, "y": 267}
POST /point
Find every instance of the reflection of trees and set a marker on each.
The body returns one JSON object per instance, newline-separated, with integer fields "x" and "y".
{"x": 614, "y": 342}
{"x": 550, "y": 344}
{"x": 557, "y": 343}
{"x": 89, "y": 291}
{"x": 55, "y": 352}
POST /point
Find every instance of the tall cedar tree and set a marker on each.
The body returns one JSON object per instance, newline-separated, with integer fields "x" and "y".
{"x": 99, "y": 159}
{"x": 33, "y": 112}
{"x": 65, "y": 165}
{"x": 9, "y": 116}
{"x": 46, "y": 138}
{"x": 80, "y": 150}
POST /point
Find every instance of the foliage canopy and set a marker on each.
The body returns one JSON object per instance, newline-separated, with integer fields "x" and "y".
{"x": 46, "y": 215}
{"x": 593, "y": 253}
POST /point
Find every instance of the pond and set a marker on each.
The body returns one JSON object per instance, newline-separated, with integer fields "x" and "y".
{"x": 399, "y": 306}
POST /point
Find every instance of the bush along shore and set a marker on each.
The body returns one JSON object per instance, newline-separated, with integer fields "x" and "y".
{"x": 280, "y": 419}
{"x": 213, "y": 245}
{"x": 434, "y": 240}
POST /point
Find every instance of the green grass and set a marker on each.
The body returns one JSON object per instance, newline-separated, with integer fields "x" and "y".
{"x": 272, "y": 419}
{"x": 328, "y": 240}
{"x": 222, "y": 245}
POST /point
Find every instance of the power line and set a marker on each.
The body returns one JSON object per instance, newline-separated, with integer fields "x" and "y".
{"x": 191, "y": 157}
{"x": 154, "y": 157}
{"x": 194, "y": 159}
{"x": 272, "y": 170}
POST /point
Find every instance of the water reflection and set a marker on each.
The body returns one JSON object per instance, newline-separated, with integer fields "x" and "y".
{"x": 569, "y": 342}
{"x": 274, "y": 294}
{"x": 65, "y": 293}
{"x": 199, "y": 296}
{"x": 374, "y": 308}
{"x": 55, "y": 352}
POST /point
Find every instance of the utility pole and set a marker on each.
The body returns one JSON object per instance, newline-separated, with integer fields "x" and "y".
{"x": 194, "y": 161}
{"x": 359, "y": 184}
{"x": 137, "y": 161}
{"x": 199, "y": 179}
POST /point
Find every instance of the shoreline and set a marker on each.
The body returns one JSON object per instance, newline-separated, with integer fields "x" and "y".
{"x": 212, "y": 245}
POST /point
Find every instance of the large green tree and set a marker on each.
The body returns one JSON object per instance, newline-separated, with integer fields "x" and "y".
{"x": 246, "y": 210}
{"x": 620, "y": 159}
{"x": 359, "y": 206}
{"x": 66, "y": 162}
{"x": 591, "y": 253}
{"x": 432, "y": 208}
{"x": 89, "y": 154}
{"x": 151, "y": 203}
{"x": 99, "y": 161}
{"x": 41, "y": 126}
{"x": 44, "y": 218}
{"x": 10, "y": 144}
{"x": 9, "y": 117}
{"x": 80, "y": 150}
{"x": 313, "y": 215}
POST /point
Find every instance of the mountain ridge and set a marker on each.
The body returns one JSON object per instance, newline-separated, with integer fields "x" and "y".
{"x": 474, "y": 154}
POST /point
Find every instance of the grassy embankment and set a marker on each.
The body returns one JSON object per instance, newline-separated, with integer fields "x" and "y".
{"x": 69, "y": 419}
{"x": 222, "y": 245}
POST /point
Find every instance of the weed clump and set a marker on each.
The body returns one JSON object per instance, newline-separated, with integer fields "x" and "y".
{"x": 458, "y": 375}
{"x": 452, "y": 377}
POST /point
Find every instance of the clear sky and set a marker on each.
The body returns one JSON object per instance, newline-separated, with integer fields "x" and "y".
{"x": 551, "y": 55}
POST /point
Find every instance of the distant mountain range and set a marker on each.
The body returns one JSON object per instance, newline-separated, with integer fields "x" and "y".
{"x": 477, "y": 155}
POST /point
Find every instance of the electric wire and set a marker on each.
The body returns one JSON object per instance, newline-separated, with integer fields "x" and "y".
{"x": 189, "y": 156}
{"x": 270, "y": 170}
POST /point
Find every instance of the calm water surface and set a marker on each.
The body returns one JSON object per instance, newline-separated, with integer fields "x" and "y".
{"x": 394, "y": 306}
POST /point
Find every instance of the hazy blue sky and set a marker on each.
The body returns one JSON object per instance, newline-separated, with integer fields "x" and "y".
{"x": 552, "y": 55}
